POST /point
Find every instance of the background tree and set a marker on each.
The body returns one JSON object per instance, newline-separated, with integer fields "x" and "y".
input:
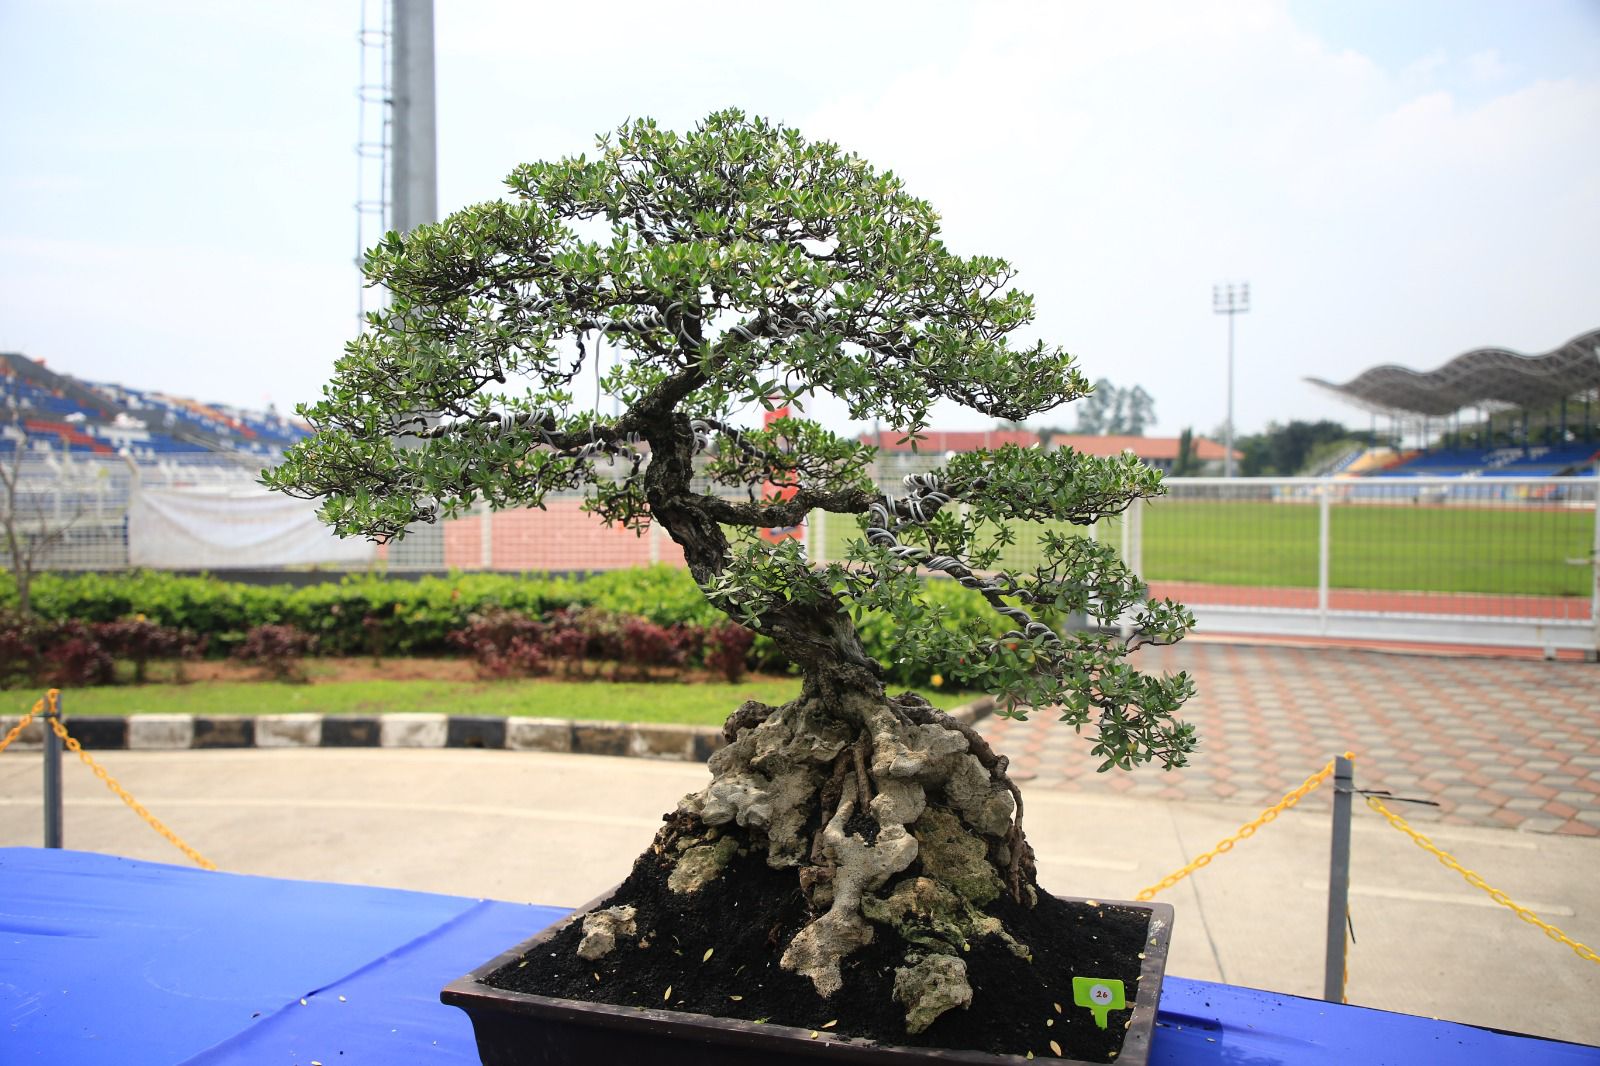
{"x": 1284, "y": 450}
{"x": 32, "y": 523}
{"x": 1110, "y": 411}
{"x": 739, "y": 265}
{"x": 1185, "y": 464}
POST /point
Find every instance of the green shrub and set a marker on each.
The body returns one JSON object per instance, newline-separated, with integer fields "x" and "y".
{"x": 368, "y": 614}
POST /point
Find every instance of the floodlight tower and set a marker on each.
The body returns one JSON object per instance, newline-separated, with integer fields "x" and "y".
{"x": 396, "y": 147}
{"x": 1230, "y": 300}
{"x": 416, "y": 157}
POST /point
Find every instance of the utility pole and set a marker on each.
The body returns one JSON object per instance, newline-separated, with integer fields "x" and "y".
{"x": 416, "y": 157}
{"x": 1230, "y": 300}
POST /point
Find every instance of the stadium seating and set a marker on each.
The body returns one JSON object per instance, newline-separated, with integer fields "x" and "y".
{"x": 61, "y": 413}
{"x": 1532, "y": 461}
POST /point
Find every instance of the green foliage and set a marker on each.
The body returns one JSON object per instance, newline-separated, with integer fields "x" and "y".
{"x": 819, "y": 271}
{"x": 1188, "y": 462}
{"x": 420, "y": 615}
{"x": 732, "y": 265}
{"x": 1284, "y": 450}
{"x": 414, "y": 617}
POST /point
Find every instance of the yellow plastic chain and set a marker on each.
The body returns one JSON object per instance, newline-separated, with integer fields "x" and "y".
{"x": 1248, "y": 830}
{"x": 1583, "y": 951}
{"x": 53, "y": 697}
{"x": 122, "y": 794}
{"x": 16, "y": 730}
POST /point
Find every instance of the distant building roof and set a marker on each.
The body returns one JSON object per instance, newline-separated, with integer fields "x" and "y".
{"x": 938, "y": 442}
{"x": 1486, "y": 376}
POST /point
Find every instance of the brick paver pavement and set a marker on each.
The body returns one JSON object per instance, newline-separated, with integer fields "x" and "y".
{"x": 1495, "y": 742}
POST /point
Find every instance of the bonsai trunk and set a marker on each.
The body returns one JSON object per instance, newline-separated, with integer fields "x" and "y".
{"x": 898, "y": 824}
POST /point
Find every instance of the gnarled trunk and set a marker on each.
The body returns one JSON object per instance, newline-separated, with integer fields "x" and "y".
{"x": 897, "y": 822}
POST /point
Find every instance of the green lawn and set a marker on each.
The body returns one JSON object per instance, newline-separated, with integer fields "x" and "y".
{"x": 1434, "y": 549}
{"x": 692, "y": 704}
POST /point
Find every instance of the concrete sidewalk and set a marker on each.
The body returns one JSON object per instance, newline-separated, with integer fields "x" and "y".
{"x": 559, "y": 829}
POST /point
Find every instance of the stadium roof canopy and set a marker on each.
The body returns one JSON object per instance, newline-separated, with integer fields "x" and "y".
{"x": 1489, "y": 377}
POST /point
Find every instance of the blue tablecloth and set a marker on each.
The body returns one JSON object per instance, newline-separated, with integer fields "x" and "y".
{"x": 123, "y": 963}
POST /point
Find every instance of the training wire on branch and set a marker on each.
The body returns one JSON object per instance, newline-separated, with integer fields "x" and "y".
{"x": 924, "y": 497}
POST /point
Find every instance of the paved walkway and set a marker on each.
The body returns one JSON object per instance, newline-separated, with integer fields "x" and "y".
{"x": 1495, "y": 742}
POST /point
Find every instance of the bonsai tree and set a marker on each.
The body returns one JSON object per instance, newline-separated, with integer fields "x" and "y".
{"x": 739, "y": 265}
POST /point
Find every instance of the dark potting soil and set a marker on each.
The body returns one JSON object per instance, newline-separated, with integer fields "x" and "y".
{"x": 744, "y": 918}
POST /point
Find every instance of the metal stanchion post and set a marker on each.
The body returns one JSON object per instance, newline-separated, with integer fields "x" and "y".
{"x": 52, "y": 779}
{"x": 1338, "y": 880}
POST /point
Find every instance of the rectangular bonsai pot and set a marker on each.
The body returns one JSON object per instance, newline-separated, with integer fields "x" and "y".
{"x": 519, "y": 1029}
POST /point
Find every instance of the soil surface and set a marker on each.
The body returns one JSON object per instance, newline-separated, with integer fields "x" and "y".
{"x": 325, "y": 670}
{"x": 716, "y": 952}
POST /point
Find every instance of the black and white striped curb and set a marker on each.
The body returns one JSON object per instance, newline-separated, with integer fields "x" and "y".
{"x": 180, "y": 732}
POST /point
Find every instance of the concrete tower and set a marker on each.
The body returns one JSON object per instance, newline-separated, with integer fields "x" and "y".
{"x": 414, "y": 176}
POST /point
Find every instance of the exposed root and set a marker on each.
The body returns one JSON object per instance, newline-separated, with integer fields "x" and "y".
{"x": 817, "y": 950}
{"x": 832, "y": 792}
{"x": 858, "y": 753}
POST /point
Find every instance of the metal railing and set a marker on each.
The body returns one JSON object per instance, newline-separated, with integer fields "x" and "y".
{"x": 1505, "y": 561}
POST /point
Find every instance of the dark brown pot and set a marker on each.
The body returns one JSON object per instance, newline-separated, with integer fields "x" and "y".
{"x": 518, "y": 1029}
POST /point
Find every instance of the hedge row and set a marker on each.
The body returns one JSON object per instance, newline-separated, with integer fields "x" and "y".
{"x": 374, "y": 615}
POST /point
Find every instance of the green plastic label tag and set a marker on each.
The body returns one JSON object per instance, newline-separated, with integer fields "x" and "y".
{"x": 1099, "y": 994}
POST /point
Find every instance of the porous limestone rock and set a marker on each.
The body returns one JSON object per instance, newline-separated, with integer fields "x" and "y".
{"x": 956, "y": 856}
{"x": 768, "y": 778}
{"x": 701, "y": 864}
{"x": 899, "y": 801}
{"x": 601, "y": 929}
{"x": 924, "y": 913}
{"x": 984, "y": 803}
{"x": 933, "y": 755}
{"x": 930, "y": 985}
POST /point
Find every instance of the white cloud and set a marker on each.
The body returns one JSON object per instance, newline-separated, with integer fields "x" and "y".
{"x": 1123, "y": 156}
{"x": 1487, "y": 66}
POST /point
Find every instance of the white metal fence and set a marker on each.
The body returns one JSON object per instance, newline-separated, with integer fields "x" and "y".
{"x": 1497, "y": 561}
{"x": 1491, "y": 561}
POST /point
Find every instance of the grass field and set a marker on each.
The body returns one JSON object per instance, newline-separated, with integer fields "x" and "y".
{"x": 696, "y": 704}
{"x": 1516, "y": 551}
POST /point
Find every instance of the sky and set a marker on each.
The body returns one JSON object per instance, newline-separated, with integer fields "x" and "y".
{"x": 1398, "y": 180}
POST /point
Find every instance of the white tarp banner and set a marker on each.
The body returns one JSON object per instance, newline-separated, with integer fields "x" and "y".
{"x": 194, "y": 529}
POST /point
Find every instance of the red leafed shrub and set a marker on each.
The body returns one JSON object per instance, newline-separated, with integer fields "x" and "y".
{"x": 277, "y": 649}
{"x": 503, "y": 643}
{"x": 140, "y": 641}
{"x": 727, "y": 647}
{"x": 566, "y": 637}
{"x": 644, "y": 644}
{"x": 603, "y": 631}
{"x": 75, "y": 658}
{"x": 22, "y": 643}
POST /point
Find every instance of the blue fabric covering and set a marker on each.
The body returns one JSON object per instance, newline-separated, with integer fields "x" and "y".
{"x": 106, "y": 960}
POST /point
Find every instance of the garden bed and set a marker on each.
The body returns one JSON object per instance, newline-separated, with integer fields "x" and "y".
{"x": 360, "y": 686}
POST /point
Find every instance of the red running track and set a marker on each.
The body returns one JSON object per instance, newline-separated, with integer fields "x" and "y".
{"x": 1555, "y": 608}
